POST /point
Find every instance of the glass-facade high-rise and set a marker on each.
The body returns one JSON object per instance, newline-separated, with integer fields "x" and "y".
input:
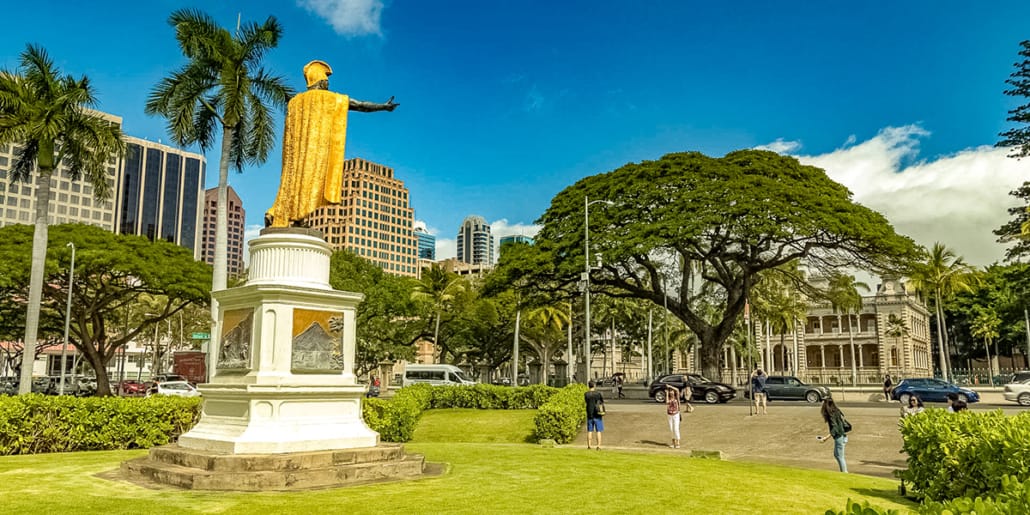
{"x": 475, "y": 243}
{"x": 426, "y": 243}
{"x": 159, "y": 193}
{"x": 236, "y": 217}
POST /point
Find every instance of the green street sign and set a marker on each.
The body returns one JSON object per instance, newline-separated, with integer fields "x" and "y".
{"x": 201, "y": 336}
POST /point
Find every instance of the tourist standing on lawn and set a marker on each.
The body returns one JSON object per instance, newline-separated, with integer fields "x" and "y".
{"x": 758, "y": 391}
{"x": 887, "y": 384}
{"x": 839, "y": 428}
{"x": 672, "y": 408}
{"x": 595, "y": 412}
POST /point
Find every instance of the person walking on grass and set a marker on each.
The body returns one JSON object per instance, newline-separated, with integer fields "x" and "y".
{"x": 758, "y": 392}
{"x": 595, "y": 412}
{"x": 839, "y": 428}
{"x": 672, "y": 408}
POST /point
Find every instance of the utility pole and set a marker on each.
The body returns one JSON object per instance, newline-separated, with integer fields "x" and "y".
{"x": 67, "y": 319}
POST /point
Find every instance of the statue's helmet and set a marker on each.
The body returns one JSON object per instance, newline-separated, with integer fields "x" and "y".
{"x": 316, "y": 71}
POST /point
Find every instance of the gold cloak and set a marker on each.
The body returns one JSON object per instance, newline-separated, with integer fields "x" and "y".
{"x": 314, "y": 137}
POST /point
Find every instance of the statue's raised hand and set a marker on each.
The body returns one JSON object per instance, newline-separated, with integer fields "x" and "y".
{"x": 391, "y": 105}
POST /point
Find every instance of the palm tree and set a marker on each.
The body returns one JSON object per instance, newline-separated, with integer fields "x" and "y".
{"x": 223, "y": 85}
{"x": 437, "y": 288}
{"x": 895, "y": 328}
{"x": 49, "y": 115}
{"x": 779, "y": 301}
{"x": 942, "y": 274}
{"x": 844, "y": 297}
{"x": 545, "y": 332}
{"x": 985, "y": 326}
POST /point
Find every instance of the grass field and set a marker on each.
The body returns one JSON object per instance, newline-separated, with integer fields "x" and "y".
{"x": 491, "y": 471}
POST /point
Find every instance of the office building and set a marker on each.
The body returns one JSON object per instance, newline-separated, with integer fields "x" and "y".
{"x": 71, "y": 201}
{"x": 475, "y": 243}
{"x": 513, "y": 239}
{"x": 159, "y": 193}
{"x": 374, "y": 218}
{"x": 426, "y": 243}
{"x": 236, "y": 218}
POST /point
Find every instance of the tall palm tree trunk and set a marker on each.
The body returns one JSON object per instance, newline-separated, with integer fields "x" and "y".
{"x": 851, "y": 341}
{"x": 219, "y": 276}
{"x": 940, "y": 338}
{"x": 947, "y": 344}
{"x": 39, "y": 248}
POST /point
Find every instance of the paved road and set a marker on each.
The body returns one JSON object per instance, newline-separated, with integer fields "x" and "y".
{"x": 785, "y": 436}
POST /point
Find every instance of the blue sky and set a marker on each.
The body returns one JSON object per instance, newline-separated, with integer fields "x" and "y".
{"x": 503, "y": 104}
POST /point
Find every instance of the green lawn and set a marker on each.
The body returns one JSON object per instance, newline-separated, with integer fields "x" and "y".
{"x": 484, "y": 478}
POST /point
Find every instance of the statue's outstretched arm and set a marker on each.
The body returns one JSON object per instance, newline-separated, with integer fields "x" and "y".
{"x": 368, "y": 107}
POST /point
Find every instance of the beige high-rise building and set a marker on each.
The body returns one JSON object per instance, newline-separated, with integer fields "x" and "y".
{"x": 237, "y": 217}
{"x": 71, "y": 200}
{"x": 374, "y": 218}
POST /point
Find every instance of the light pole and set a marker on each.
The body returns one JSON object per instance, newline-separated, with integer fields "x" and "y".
{"x": 67, "y": 318}
{"x": 586, "y": 278}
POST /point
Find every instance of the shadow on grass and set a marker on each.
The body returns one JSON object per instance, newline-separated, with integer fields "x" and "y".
{"x": 887, "y": 495}
{"x": 654, "y": 443}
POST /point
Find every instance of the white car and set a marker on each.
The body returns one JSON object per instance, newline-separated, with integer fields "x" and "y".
{"x": 176, "y": 388}
{"x": 1018, "y": 392}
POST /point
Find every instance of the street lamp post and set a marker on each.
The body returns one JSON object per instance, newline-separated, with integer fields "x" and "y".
{"x": 586, "y": 278}
{"x": 67, "y": 318}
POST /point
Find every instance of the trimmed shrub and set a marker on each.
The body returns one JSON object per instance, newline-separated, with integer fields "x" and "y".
{"x": 31, "y": 424}
{"x": 854, "y": 508}
{"x": 965, "y": 454}
{"x": 562, "y": 416}
{"x": 1013, "y": 499}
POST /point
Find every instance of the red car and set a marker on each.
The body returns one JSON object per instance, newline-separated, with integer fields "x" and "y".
{"x": 133, "y": 387}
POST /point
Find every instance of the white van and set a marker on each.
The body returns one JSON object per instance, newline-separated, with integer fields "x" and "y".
{"x": 437, "y": 375}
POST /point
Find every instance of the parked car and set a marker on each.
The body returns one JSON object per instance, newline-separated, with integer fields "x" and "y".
{"x": 1018, "y": 392}
{"x": 161, "y": 378}
{"x": 701, "y": 389}
{"x": 1020, "y": 376}
{"x": 790, "y": 388}
{"x": 176, "y": 388}
{"x": 930, "y": 389}
{"x": 133, "y": 387}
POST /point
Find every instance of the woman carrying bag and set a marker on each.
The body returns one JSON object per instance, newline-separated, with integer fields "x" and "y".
{"x": 672, "y": 409}
{"x": 839, "y": 429}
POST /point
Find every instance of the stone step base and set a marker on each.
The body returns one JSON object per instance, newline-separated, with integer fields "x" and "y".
{"x": 196, "y": 470}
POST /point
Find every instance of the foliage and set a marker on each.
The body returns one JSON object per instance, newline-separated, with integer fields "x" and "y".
{"x": 31, "y": 424}
{"x": 1013, "y": 232}
{"x": 562, "y": 416}
{"x": 726, "y": 219}
{"x": 1019, "y": 138}
{"x": 387, "y": 323}
{"x": 864, "y": 508}
{"x": 964, "y": 454}
{"x": 438, "y": 292}
{"x": 1003, "y": 290}
{"x": 223, "y": 85}
{"x": 49, "y": 116}
{"x": 395, "y": 419}
{"x": 113, "y": 273}
{"x": 1012, "y": 499}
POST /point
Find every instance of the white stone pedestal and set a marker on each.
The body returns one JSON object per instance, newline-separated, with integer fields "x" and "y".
{"x": 284, "y": 378}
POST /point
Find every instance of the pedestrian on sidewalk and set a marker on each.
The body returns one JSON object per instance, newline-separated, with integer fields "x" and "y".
{"x": 839, "y": 428}
{"x": 758, "y": 391}
{"x": 887, "y": 384}
{"x": 672, "y": 408}
{"x": 618, "y": 384}
{"x": 595, "y": 411}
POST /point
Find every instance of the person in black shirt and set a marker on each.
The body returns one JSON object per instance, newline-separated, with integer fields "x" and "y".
{"x": 595, "y": 409}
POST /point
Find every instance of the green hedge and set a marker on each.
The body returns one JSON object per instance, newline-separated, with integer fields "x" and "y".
{"x": 31, "y": 424}
{"x": 395, "y": 419}
{"x": 561, "y": 417}
{"x": 1013, "y": 499}
{"x": 854, "y": 508}
{"x": 967, "y": 454}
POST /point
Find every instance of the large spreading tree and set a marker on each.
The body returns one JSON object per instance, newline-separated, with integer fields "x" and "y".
{"x": 1017, "y": 140}
{"x": 112, "y": 274}
{"x": 222, "y": 91}
{"x": 49, "y": 116}
{"x": 727, "y": 219}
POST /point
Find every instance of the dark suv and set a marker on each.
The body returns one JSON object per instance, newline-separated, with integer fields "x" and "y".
{"x": 790, "y": 388}
{"x": 701, "y": 389}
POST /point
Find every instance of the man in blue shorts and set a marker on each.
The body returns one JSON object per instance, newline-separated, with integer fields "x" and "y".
{"x": 595, "y": 412}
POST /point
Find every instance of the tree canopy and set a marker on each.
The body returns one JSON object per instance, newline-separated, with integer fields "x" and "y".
{"x": 726, "y": 219}
{"x": 1018, "y": 138}
{"x": 112, "y": 274}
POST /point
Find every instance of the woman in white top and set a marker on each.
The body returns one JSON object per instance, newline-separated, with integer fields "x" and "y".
{"x": 915, "y": 405}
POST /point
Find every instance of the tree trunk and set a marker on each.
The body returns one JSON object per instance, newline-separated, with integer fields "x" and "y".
{"x": 45, "y": 162}
{"x": 854, "y": 364}
{"x": 940, "y": 338}
{"x": 220, "y": 272}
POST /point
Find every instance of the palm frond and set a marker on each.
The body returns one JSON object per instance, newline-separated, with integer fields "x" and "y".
{"x": 198, "y": 34}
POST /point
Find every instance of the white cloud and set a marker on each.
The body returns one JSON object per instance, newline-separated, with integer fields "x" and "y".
{"x": 348, "y": 17}
{"x": 446, "y": 248}
{"x": 502, "y": 228}
{"x": 956, "y": 199}
{"x": 780, "y": 146}
{"x": 249, "y": 233}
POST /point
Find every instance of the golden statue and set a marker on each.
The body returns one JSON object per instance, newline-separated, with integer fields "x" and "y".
{"x": 313, "y": 141}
